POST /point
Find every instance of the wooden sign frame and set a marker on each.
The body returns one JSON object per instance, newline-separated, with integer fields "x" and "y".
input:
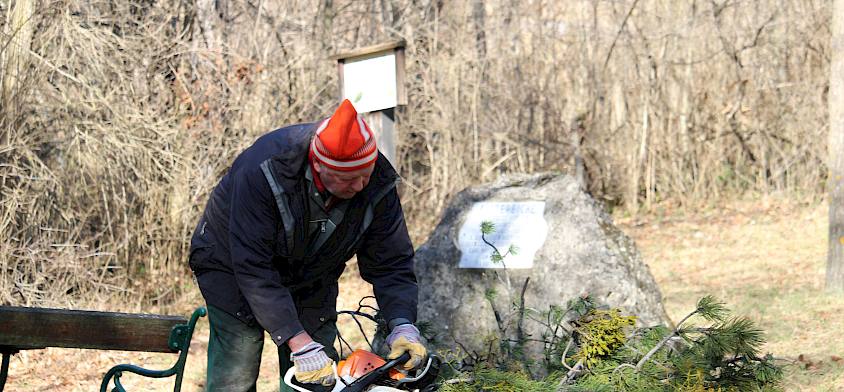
{"x": 395, "y": 47}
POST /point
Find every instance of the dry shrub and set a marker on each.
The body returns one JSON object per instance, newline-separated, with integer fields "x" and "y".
{"x": 685, "y": 100}
{"x": 122, "y": 115}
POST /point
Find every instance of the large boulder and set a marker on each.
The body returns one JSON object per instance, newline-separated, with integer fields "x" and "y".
{"x": 583, "y": 253}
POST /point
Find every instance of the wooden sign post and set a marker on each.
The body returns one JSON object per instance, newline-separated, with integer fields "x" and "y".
{"x": 372, "y": 78}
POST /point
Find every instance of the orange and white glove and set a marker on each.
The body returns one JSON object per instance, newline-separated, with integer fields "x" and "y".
{"x": 312, "y": 365}
{"x": 405, "y": 338}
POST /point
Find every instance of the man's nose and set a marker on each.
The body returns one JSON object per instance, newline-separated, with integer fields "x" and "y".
{"x": 357, "y": 185}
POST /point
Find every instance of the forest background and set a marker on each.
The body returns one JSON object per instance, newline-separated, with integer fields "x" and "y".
{"x": 118, "y": 117}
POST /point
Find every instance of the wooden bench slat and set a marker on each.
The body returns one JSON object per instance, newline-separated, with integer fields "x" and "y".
{"x": 39, "y": 327}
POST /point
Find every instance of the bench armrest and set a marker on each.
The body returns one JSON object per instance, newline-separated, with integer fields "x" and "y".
{"x": 180, "y": 337}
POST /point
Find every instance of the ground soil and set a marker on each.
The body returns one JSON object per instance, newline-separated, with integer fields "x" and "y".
{"x": 764, "y": 257}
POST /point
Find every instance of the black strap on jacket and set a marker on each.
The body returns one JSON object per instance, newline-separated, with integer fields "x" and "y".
{"x": 281, "y": 203}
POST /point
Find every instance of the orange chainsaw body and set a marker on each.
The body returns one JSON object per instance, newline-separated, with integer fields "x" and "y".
{"x": 362, "y": 362}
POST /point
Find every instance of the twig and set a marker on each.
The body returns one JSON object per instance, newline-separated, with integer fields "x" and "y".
{"x": 520, "y": 333}
{"x": 623, "y": 365}
{"x": 663, "y": 342}
{"x": 618, "y": 34}
{"x": 504, "y": 266}
{"x": 566, "y": 351}
{"x": 459, "y": 380}
{"x": 498, "y": 320}
{"x": 572, "y": 373}
{"x": 476, "y": 357}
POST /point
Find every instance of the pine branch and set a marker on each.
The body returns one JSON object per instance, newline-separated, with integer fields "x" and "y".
{"x": 520, "y": 332}
{"x": 489, "y": 228}
{"x": 671, "y": 336}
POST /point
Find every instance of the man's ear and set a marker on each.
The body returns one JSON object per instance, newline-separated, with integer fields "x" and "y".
{"x": 318, "y": 167}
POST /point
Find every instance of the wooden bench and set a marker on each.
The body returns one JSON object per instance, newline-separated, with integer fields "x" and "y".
{"x": 36, "y": 328}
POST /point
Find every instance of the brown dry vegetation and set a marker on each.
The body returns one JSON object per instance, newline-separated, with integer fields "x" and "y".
{"x": 117, "y": 118}
{"x": 765, "y": 257}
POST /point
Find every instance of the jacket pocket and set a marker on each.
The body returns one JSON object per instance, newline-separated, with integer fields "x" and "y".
{"x": 201, "y": 247}
{"x": 316, "y": 319}
{"x": 318, "y": 308}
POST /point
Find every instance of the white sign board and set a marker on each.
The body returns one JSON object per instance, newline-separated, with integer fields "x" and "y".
{"x": 370, "y": 82}
{"x": 521, "y": 224}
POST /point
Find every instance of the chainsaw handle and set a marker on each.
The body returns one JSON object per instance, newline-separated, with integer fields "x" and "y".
{"x": 288, "y": 379}
{"x": 368, "y": 379}
{"x": 395, "y": 362}
{"x": 357, "y": 385}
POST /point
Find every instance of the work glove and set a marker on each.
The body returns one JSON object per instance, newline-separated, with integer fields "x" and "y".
{"x": 312, "y": 365}
{"x": 405, "y": 338}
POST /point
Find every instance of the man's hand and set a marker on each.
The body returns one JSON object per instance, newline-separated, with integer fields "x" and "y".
{"x": 405, "y": 338}
{"x": 312, "y": 365}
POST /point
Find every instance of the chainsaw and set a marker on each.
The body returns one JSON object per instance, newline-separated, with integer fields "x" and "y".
{"x": 363, "y": 371}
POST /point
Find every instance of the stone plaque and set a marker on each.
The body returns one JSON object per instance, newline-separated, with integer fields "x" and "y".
{"x": 521, "y": 224}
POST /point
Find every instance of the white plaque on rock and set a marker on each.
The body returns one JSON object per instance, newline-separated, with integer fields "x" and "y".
{"x": 520, "y": 224}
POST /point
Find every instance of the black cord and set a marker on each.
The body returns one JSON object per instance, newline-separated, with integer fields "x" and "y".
{"x": 358, "y": 313}
{"x": 360, "y": 326}
{"x": 355, "y": 314}
{"x": 341, "y": 340}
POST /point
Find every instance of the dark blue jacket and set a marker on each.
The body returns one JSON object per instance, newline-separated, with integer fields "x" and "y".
{"x": 249, "y": 250}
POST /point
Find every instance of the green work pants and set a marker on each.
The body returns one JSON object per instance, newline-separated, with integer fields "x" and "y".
{"x": 234, "y": 353}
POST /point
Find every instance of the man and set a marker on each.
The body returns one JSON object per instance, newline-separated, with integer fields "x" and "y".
{"x": 274, "y": 239}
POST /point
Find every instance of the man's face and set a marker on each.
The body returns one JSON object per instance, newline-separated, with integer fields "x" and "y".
{"x": 344, "y": 184}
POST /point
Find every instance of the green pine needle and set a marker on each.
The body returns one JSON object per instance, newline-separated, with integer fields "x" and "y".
{"x": 490, "y": 294}
{"x": 710, "y": 309}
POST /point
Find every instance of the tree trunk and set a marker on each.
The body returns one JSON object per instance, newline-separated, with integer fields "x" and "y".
{"x": 15, "y": 59}
{"x": 208, "y": 23}
{"x": 835, "y": 261}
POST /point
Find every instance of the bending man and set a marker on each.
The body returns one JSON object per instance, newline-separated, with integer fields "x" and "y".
{"x": 275, "y": 237}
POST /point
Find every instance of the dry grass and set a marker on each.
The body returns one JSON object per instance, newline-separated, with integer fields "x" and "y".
{"x": 765, "y": 257}
{"x": 119, "y": 117}
{"x": 82, "y": 370}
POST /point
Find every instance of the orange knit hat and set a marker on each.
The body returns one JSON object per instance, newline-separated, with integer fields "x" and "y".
{"x": 343, "y": 141}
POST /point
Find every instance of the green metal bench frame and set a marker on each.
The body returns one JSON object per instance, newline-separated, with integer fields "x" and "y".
{"x": 180, "y": 337}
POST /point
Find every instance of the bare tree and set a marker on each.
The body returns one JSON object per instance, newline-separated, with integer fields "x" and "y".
{"x": 835, "y": 262}
{"x": 112, "y": 136}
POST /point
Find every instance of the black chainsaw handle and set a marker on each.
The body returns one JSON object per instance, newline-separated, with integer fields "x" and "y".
{"x": 395, "y": 362}
{"x": 368, "y": 379}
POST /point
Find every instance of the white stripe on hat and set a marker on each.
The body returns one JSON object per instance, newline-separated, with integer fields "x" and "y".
{"x": 364, "y": 130}
{"x": 347, "y": 164}
{"x": 323, "y": 126}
